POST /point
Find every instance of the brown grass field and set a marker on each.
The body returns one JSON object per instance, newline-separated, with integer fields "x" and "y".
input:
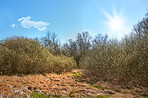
{"x": 70, "y": 84}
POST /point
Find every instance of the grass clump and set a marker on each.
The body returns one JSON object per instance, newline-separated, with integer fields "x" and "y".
{"x": 38, "y": 95}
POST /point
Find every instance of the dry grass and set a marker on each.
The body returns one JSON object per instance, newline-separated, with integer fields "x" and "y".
{"x": 65, "y": 84}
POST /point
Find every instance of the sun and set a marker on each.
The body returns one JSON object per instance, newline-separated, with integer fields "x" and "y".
{"x": 115, "y": 24}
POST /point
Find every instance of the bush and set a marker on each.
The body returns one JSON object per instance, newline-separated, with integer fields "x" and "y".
{"x": 122, "y": 62}
{"x": 20, "y": 55}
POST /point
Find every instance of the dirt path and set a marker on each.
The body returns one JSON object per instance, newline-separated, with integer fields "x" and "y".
{"x": 51, "y": 85}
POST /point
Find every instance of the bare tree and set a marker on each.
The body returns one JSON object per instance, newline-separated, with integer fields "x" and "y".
{"x": 51, "y": 42}
{"x": 78, "y": 48}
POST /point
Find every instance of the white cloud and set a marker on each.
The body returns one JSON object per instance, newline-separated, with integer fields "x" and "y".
{"x": 13, "y": 25}
{"x": 42, "y": 29}
{"x": 27, "y": 23}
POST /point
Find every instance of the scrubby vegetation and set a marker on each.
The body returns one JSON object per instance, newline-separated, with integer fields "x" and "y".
{"x": 24, "y": 56}
{"x": 122, "y": 62}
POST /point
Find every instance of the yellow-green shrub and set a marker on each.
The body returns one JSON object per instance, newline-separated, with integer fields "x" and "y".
{"x": 125, "y": 62}
{"x": 20, "y": 55}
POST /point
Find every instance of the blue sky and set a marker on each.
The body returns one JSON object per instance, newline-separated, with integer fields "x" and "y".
{"x": 33, "y": 18}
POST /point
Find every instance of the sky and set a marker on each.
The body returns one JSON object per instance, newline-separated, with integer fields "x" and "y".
{"x": 34, "y": 18}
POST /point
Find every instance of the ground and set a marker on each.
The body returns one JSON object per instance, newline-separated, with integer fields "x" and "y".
{"x": 69, "y": 84}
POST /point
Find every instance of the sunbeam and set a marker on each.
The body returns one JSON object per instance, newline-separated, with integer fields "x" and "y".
{"x": 115, "y": 24}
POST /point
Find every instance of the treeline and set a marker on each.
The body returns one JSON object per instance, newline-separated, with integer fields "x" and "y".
{"x": 123, "y": 62}
{"x": 75, "y": 49}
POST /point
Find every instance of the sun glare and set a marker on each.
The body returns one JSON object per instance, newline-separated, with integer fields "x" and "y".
{"x": 115, "y": 24}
